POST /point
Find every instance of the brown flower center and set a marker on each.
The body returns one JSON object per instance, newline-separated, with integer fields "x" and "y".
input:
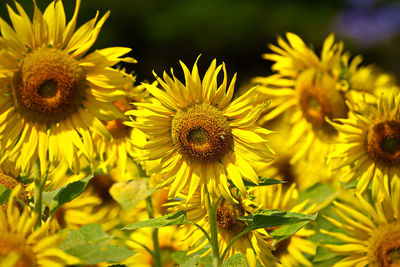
{"x": 285, "y": 170}
{"x": 281, "y": 247}
{"x": 49, "y": 85}
{"x": 201, "y": 132}
{"x": 227, "y": 215}
{"x": 319, "y": 99}
{"x": 10, "y": 182}
{"x": 12, "y": 244}
{"x": 384, "y": 246}
{"x": 384, "y": 142}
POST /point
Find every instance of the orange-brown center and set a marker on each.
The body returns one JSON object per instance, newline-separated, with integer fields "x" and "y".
{"x": 384, "y": 246}
{"x": 227, "y": 215}
{"x": 201, "y": 132}
{"x": 384, "y": 142}
{"x": 49, "y": 85}
{"x": 319, "y": 99}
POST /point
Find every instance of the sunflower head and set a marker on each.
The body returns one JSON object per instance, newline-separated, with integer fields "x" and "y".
{"x": 201, "y": 132}
{"x": 31, "y": 247}
{"x": 383, "y": 142}
{"x": 384, "y": 245}
{"x": 319, "y": 99}
{"x": 198, "y": 134}
{"x": 227, "y": 215}
{"x": 57, "y": 94}
{"x": 49, "y": 85}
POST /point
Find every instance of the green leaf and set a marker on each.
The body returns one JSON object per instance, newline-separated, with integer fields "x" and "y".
{"x": 236, "y": 260}
{"x": 322, "y": 254}
{"x": 272, "y": 218}
{"x": 192, "y": 261}
{"x": 316, "y": 193}
{"x": 287, "y": 231}
{"x": 129, "y": 193}
{"x": 181, "y": 257}
{"x": 174, "y": 218}
{"x": 263, "y": 182}
{"x": 91, "y": 245}
{"x": 54, "y": 199}
{"x": 325, "y": 258}
{"x": 4, "y": 194}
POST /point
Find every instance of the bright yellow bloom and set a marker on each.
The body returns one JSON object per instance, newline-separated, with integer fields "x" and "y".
{"x": 311, "y": 88}
{"x": 52, "y": 96}
{"x": 200, "y": 134}
{"x": 372, "y": 234}
{"x": 24, "y": 246}
{"x": 369, "y": 143}
{"x": 290, "y": 251}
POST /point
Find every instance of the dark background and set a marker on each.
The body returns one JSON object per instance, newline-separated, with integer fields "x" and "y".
{"x": 161, "y": 32}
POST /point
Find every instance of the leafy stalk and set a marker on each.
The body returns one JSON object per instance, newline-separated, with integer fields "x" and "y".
{"x": 212, "y": 217}
{"x": 154, "y": 234}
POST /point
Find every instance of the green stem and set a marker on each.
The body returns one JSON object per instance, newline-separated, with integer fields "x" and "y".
{"x": 154, "y": 234}
{"x": 37, "y": 192}
{"x": 212, "y": 217}
{"x": 245, "y": 232}
{"x": 204, "y": 231}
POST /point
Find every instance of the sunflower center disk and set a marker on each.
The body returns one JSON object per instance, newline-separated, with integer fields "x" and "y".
{"x": 319, "y": 99}
{"x": 12, "y": 244}
{"x": 49, "y": 85}
{"x": 384, "y": 142}
{"x": 226, "y": 217}
{"x": 384, "y": 247}
{"x": 201, "y": 132}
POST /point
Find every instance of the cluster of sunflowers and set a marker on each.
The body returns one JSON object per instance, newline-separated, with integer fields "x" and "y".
{"x": 300, "y": 170}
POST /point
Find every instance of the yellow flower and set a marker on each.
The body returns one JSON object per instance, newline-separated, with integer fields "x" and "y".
{"x": 200, "y": 135}
{"x": 52, "y": 96}
{"x": 169, "y": 242}
{"x": 24, "y": 246}
{"x": 308, "y": 87}
{"x": 253, "y": 245}
{"x": 290, "y": 251}
{"x": 372, "y": 234}
{"x": 369, "y": 143}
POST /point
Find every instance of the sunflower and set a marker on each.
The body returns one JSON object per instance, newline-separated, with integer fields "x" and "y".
{"x": 197, "y": 131}
{"x": 23, "y": 245}
{"x": 254, "y": 245}
{"x": 169, "y": 242}
{"x": 369, "y": 143}
{"x": 290, "y": 251}
{"x": 372, "y": 233}
{"x": 310, "y": 88}
{"x": 52, "y": 95}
